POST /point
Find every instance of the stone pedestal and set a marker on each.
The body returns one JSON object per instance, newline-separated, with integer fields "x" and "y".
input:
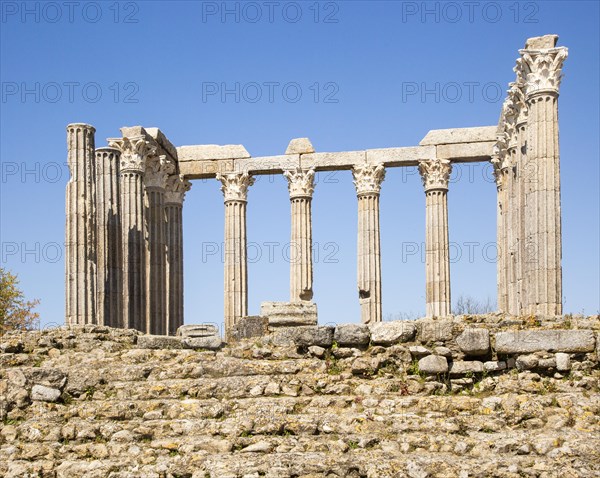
{"x": 176, "y": 188}
{"x": 289, "y": 314}
{"x": 80, "y": 240}
{"x": 539, "y": 70}
{"x": 109, "y": 253}
{"x": 436, "y": 174}
{"x": 134, "y": 154}
{"x": 301, "y": 188}
{"x": 367, "y": 180}
{"x": 235, "y": 191}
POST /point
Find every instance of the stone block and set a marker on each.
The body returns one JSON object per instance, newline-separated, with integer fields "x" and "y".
{"x": 433, "y": 364}
{"x": 300, "y": 146}
{"x": 320, "y": 335}
{"x": 388, "y": 333}
{"x": 474, "y": 341}
{"x": 494, "y": 365}
{"x": 420, "y": 351}
{"x": 434, "y": 330}
{"x": 352, "y": 335}
{"x": 527, "y": 362}
{"x": 461, "y": 367}
{"x": 198, "y": 330}
{"x": 289, "y": 314}
{"x": 528, "y": 341}
{"x": 563, "y": 362}
{"x": 249, "y": 327}
{"x": 212, "y": 343}
{"x": 45, "y": 394}
{"x": 159, "y": 342}
{"x": 49, "y": 377}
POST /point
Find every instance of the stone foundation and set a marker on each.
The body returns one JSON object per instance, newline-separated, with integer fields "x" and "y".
{"x": 480, "y": 396}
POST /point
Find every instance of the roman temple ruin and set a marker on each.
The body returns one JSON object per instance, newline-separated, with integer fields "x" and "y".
{"x": 124, "y": 256}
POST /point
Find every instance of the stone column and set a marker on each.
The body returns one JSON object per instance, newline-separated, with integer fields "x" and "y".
{"x": 539, "y": 70}
{"x": 235, "y": 191}
{"x": 174, "y": 196}
{"x": 436, "y": 174}
{"x": 521, "y": 176}
{"x": 80, "y": 240}
{"x": 301, "y": 187}
{"x": 134, "y": 154}
{"x": 155, "y": 179}
{"x": 109, "y": 253}
{"x": 367, "y": 180}
{"x": 501, "y": 175}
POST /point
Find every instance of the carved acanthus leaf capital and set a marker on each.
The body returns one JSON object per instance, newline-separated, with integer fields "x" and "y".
{"x": 541, "y": 70}
{"x": 301, "y": 182}
{"x": 235, "y": 185}
{"x": 175, "y": 189}
{"x": 368, "y": 178}
{"x": 435, "y": 173}
{"x": 134, "y": 152}
{"x": 158, "y": 169}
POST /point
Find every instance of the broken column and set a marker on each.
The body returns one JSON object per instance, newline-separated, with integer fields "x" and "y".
{"x": 436, "y": 175}
{"x": 367, "y": 180}
{"x": 539, "y": 70}
{"x": 134, "y": 154}
{"x": 301, "y": 187}
{"x": 235, "y": 191}
{"x": 80, "y": 240}
{"x": 109, "y": 238}
{"x": 176, "y": 188}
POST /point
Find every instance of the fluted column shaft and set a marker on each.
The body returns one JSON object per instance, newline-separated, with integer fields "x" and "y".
{"x": 155, "y": 178}
{"x": 436, "y": 174}
{"x": 109, "y": 293}
{"x": 134, "y": 154}
{"x": 519, "y": 213}
{"x": 80, "y": 240}
{"x": 501, "y": 233}
{"x": 301, "y": 187}
{"x": 540, "y": 72}
{"x": 175, "y": 191}
{"x": 235, "y": 189}
{"x": 367, "y": 180}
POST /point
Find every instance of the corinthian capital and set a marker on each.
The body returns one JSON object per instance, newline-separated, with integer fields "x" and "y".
{"x": 175, "y": 189}
{"x": 134, "y": 152}
{"x": 235, "y": 185}
{"x": 158, "y": 168}
{"x": 540, "y": 71}
{"x": 368, "y": 178}
{"x": 301, "y": 182}
{"x": 435, "y": 173}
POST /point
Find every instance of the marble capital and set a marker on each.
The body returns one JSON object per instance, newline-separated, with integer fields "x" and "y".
{"x": 368, "y": 178}
{"x": 435, "y": 173}
{"x": 235, "y": 185}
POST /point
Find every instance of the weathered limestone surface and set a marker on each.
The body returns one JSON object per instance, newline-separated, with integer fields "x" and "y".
{"x": 289, "y": 314}
{"x": 552, "y": 340}
{"x": 90, "y": 400}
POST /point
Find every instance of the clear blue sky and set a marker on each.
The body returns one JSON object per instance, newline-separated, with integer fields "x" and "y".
{"x": 353, "y": 63}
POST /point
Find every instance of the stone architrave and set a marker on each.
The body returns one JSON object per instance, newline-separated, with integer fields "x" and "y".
{"x": 235, "y": 192}
{"x": 109, "y": 253}
{"x": 301, "y": 187}
{"x": 134, "y": 155}
{"x": 367, "y": 181}
{"x": 175, "y": 190}
{"x": 80, "y": 240}
{"x": 539, "y": 70}
{"x": 436, "y": 175}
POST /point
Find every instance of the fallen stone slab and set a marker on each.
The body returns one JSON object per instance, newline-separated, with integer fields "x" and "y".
{"x": 249, "y": 327}
{"x": 158, "y": 342}
{"x": 351, "y": 335}
{"x": 211, "y": 343}
{"x": 434, "y": 330}
{"x": 388, "y": 333}
{"x": 198, "y": 330}
{"x": 528, "y": 341}
{"x": 289, "y": 314}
